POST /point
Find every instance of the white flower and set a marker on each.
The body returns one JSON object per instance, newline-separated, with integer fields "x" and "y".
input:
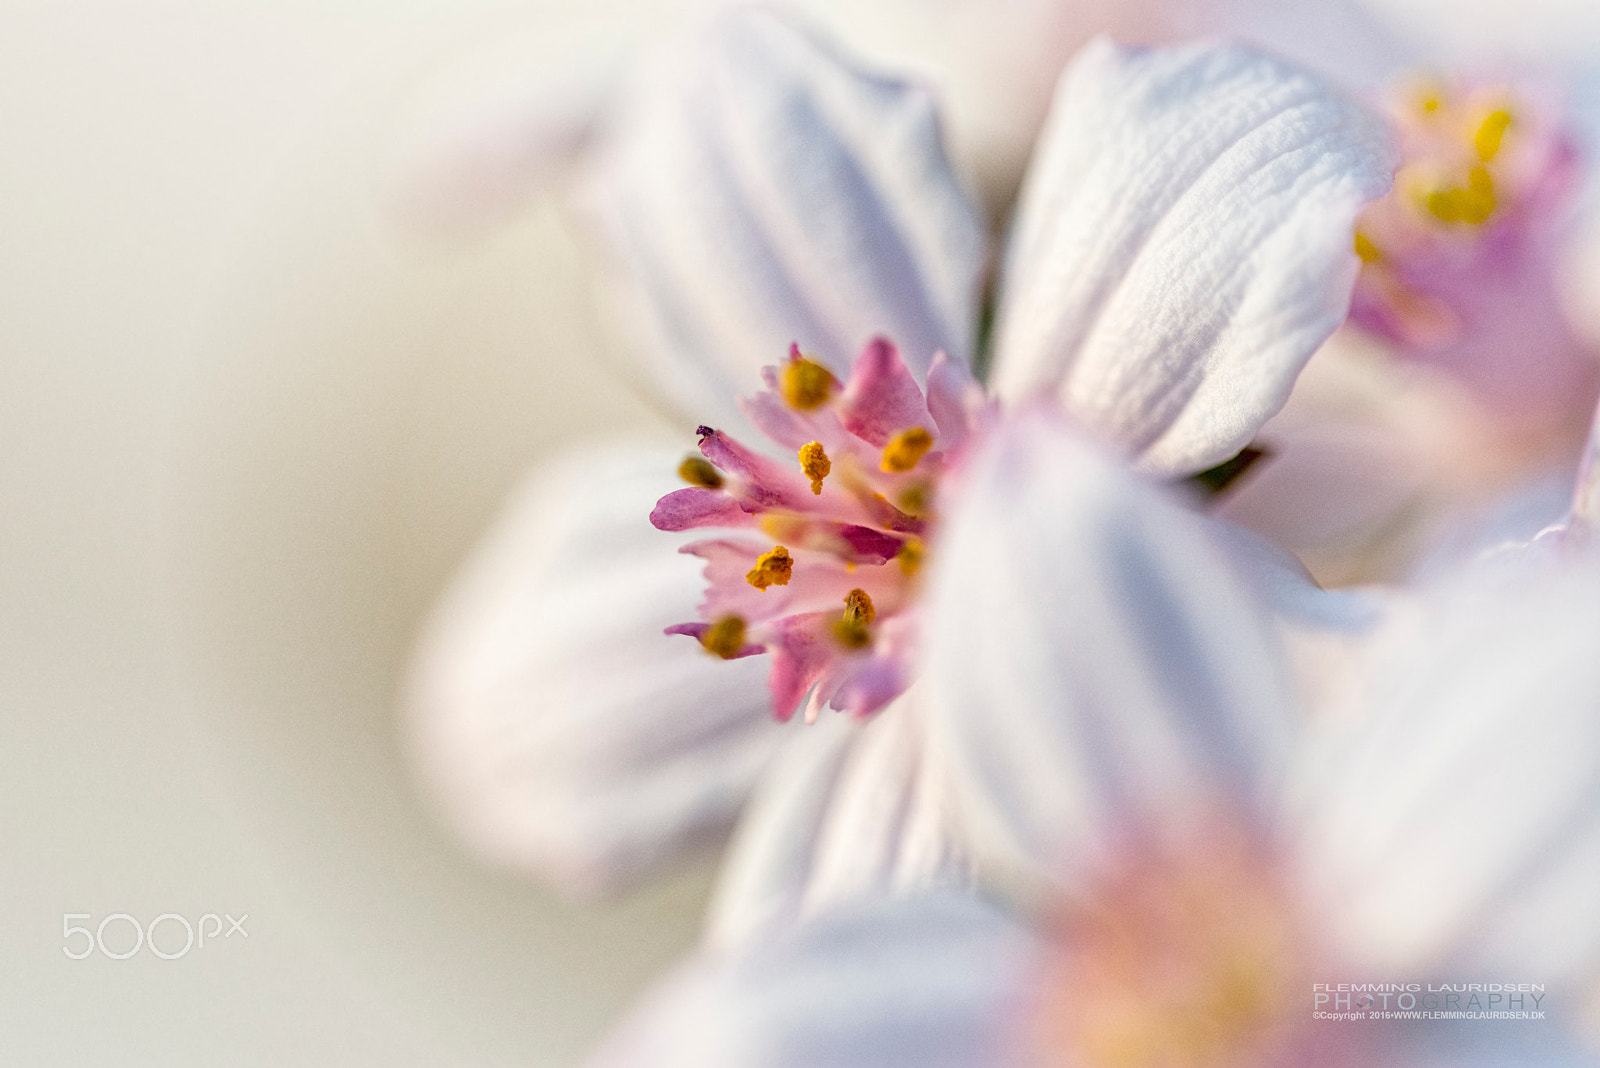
{"x": 1183, "y": 250}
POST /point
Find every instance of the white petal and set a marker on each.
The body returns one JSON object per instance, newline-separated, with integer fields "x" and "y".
{"x": 1324, "y": 633}
{"x": 860, "y": 810}
{"x": 560, "y": 729}
{"x": 1282, "y": 582}
{"x": 762, "y": 190}
{"x": 1184, "y": 244}
{"x": 1092, "y": 658}
{"x": 920, "y": 983}
{"x": 768, "y": 862}
{"x": 1457, "y": 817}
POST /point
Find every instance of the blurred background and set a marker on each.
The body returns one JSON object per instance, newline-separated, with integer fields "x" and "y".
{"x": 248, "y": 427}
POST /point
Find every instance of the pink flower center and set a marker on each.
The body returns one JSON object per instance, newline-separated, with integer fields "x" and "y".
{"x": 823, "y": 541}
{"x": 1182, "y": 955}
{"x": 1479, "y": 169}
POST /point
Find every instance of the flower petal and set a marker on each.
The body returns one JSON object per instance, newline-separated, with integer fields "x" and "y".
{"x": 1184, "y": 244}
{"x": 769, "y": 860}
{"x": 560, "y": 729}
{"x": 882, "y": 397}
{"x": 1455, "y": 817}
{"x": 762, "y": 190}
{"x": 1092, "y": 658}
{"x": 921, "y": 983}
{"x": 858, "y": 810}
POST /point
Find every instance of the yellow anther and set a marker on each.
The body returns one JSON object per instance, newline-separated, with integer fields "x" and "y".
{"x": 858, "y": 607}
{"x": 1471, "y": 204}
{"x": 698, "y": 471}
{"x": 910, "y": 557}
{"x": 1490, "y": 133}
{"x": 724, "y": 638}
{"x": 914, "y": 499}
{"x": 850, "y": 629}
{"x": 806, "y": 384}
{"x": 906, "y": 448}
{"x": 815, "y": 464}
{"x": 1369, "y": 252}
{"x": 772, "y": 569}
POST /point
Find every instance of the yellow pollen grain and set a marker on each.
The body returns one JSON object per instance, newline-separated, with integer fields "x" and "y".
{"x": 698, "y": 471}
{"x": 815, "y": 464}
{"x": 1471, "y": 204}
{"x": 724, "y": 638}
{"x": 1490, "y": 133}
{"x": 1369, "y": 252}
{"x": 906, "y": 448}
{"x": 910, "y": 557}
{"x": 850, "y": 629}
{"x": 772, "y": 569}
{"x": 806, "y": 384}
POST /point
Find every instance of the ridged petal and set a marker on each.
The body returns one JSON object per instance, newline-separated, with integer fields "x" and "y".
{"x": 1183, "y": 245}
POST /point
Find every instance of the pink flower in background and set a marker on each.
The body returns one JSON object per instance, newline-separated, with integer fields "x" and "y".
{"x": 1182, "y": 246}
{"x": 1458, "y": 261}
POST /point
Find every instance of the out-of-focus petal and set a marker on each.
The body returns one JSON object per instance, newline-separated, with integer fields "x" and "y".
{"x": 762, "y": 190}
{"x": 1324, "y": 633}
{"x": 1358, "y": 461}
{"x": 1454, "y": 818}
{"x": 560, "y": 729}
{"x": 1283, "y": 584}
{"x": 927, "y": 982}
{"x": 1092, "y": 658}
{"x": 859, "y": 810}
{"x": 768, "y": 862}
{"x": 1184, "y": 244}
